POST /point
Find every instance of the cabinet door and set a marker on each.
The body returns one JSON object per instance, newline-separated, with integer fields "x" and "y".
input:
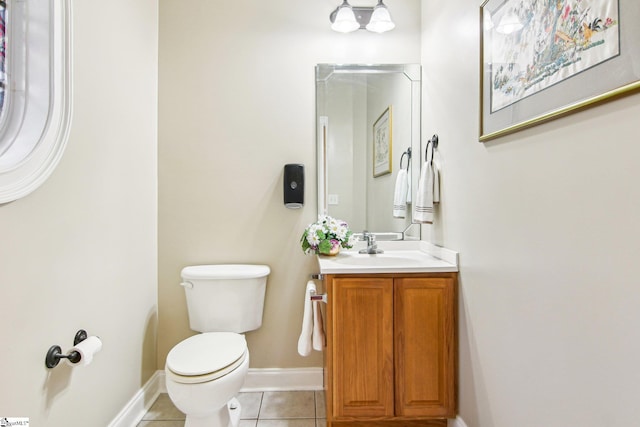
{"x": 425, "y": 323}
{"x": 363, "y": 347}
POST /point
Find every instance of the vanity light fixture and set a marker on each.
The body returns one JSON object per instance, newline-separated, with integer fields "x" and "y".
{"x": 510, "y": 23}
{"x": 343, "y": 19}
{"x": 346, "y": 18}
{"x": 380, "y": 19}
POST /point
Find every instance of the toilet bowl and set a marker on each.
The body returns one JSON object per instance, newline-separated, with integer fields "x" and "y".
{"x": 204, "y": 372}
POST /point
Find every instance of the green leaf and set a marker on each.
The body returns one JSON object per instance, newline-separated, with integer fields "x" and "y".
{"x": 346, "y": 239}
{"x": 324, "y": 247}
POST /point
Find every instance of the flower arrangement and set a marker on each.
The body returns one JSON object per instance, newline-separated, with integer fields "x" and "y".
{"x": 327, "y": 236}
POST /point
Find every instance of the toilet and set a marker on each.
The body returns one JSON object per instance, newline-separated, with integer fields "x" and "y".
{"x": 205, "y": 372}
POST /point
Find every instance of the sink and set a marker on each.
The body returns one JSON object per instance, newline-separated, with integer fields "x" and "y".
{"x": 398, "y": 257}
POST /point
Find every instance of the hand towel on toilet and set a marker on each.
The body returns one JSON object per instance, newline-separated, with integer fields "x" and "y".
{"x": 304, "y": 342}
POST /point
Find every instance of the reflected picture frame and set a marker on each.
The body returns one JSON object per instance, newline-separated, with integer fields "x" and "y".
{"x": 382, "y": 143}
{"x": 593, "y": 70}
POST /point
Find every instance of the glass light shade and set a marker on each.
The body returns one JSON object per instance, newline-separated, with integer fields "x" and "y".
{"x": 345, "y": 21}
{"x": 509, "y": 23}
{"x": 488, "y": 21}
{"x": 380, "y": 19}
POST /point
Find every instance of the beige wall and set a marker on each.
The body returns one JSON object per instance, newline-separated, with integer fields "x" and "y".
{"x": 80, "y": 252}
{"x": 546, "y": 222}
{"x": 237, "y": 104}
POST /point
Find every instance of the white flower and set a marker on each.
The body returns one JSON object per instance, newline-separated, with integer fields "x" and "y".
{"x": 312, "y": 234}
{"x": 334, "y": 227}
{"x": 341, "y": 232}
{"x": 313, "y": 239}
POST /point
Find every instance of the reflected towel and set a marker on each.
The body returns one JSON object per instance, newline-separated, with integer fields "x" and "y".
{"x": 400, "y": 195}
{"x": 304, "y": 342}
{"x": 423, "y": 209}
{"x": 319, "y": 339}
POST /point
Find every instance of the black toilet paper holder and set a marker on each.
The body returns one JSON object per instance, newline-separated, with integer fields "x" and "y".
{"x": 55, "y": 352}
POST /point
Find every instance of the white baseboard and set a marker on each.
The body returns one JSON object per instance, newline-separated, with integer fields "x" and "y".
{"x": 276, "y": 379}
{"x": 457, "y": 422}
{"x": 257, "y": 380}
{"x": 133, "y": 412}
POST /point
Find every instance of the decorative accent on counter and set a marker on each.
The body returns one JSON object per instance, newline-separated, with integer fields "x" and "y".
{"x": 327, "y": 236}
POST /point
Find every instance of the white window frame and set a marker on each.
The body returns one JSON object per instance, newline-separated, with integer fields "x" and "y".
{"x": 35, "y": 123}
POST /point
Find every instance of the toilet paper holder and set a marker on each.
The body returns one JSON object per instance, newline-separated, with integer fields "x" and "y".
{"x": 55, "y": 352}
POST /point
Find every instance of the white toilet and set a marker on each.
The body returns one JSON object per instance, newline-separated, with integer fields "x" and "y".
{"x": 205, "y": 372}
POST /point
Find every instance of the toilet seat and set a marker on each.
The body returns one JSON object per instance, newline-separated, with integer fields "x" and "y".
{"x": 206, "y": 357}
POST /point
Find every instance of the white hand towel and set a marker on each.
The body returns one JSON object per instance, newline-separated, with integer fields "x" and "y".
{"x": 400, "y": 195}
{"x": 319, "y": 339}
{"x": 436, "y": 180}
{"x": 408, "y": 186}
{"x": 423, "y": 209}
{"x": 304, "y": 342}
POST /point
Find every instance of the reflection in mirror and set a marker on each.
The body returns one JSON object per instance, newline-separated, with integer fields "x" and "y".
{"x": 367, "y": 116}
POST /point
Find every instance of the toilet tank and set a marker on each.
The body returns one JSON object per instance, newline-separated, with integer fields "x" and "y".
{"x": 225, "y": 297}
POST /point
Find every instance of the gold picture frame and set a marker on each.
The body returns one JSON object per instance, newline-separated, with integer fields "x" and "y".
{"x": 382, "y": 144}
{"x": 600, "y": 41}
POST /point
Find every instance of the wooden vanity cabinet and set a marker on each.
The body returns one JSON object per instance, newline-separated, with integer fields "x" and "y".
{"x": 391, "y": 349}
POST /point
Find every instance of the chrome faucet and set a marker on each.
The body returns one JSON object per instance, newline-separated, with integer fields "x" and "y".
{"x": 372, "y": 245}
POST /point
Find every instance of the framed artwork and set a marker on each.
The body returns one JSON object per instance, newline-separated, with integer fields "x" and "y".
{"x": 540, "y": 60}
{"x": 382, "y": 144}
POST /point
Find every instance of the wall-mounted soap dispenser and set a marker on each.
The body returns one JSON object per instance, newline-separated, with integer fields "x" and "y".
{"x": 293, "y": 186}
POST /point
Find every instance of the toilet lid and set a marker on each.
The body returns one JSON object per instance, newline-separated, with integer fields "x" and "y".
{"x": 225, "y": 271}
{"x": 205, "y": 353}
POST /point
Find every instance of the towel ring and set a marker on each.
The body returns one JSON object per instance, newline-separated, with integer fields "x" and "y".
{"x": 434, "y": 140}
{"x": 408, "y": 154}
{"x": 434, "y": 144}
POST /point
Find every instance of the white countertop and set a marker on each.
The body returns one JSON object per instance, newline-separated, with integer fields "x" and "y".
{"x": 398, "y": 257}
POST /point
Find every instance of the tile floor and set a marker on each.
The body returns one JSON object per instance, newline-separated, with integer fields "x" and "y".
{"x": 259, "y": 409}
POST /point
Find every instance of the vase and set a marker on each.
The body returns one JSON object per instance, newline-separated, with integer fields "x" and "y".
{"x": 332, "y": 252}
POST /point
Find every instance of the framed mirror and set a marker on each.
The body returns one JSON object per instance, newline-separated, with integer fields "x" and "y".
{"x": 368, "y": 124}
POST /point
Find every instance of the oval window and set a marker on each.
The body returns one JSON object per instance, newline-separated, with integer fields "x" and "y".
{"x": 35, "y": 92}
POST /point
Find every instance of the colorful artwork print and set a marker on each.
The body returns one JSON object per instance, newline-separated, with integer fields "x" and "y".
{"x": 550, "y": 41}
{"x": 381, "y": 138}
{"x": 3, "y": 49}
